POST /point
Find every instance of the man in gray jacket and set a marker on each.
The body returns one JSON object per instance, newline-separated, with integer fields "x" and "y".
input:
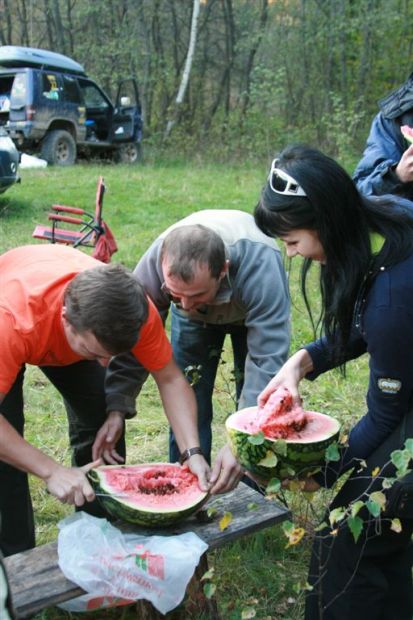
{"x": 220, "y": 275}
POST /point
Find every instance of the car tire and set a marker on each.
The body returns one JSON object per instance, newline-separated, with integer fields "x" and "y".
{"x": 129, "y": 153}
{"x": 59, "y": 148}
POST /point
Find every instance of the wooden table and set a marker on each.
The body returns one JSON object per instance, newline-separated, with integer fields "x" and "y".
{"x": 37, "y": 581}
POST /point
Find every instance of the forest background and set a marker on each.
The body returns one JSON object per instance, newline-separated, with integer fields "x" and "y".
{"x": 262, "y": 73}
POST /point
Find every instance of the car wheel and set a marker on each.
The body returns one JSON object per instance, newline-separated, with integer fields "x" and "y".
{"x": 129, "y": 153}
{"x": 59, "y": 148}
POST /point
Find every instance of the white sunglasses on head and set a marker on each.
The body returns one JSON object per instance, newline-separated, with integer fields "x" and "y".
{"x": 282, "y": 183}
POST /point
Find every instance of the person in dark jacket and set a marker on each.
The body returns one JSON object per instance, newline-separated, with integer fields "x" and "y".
{"x": 386, "y": 166}
{"x": 365, "y": 250}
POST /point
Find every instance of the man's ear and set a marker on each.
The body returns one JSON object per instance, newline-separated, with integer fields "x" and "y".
{"x": 225, "y": 269}
{"x": 63, "y": 315}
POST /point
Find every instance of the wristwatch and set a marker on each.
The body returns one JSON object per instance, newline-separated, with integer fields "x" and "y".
{"x": 186, "y": 454}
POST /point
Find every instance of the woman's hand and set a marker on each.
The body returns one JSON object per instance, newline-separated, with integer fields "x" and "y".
{"x": 289, "y": 376}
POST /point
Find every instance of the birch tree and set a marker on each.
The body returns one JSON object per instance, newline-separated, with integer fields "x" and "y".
{"x": 187, "y": 70}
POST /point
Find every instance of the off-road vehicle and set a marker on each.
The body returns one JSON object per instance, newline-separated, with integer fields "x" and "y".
{"x": 50, "y": 107}
{"x": 9, "y": 162}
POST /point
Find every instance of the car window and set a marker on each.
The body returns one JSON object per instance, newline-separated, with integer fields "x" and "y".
{"x": 71, "y": 89}
{"x": 127, "y": 94}
{"x": 18, "y": 96}
{"x": 50, "y": 87}
{"x": 6, "y": 84}
{"x": 92, "y": 97}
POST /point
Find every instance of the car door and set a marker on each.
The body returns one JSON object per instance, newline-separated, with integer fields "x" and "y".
{"x": 74, "y": 109}
{"x": 99, "y": 110}
{"x": 127, "y": 118}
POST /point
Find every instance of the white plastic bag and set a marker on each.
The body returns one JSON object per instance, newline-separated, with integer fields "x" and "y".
{"x": 116, "y": 568}
{"x": 29, "y": 161}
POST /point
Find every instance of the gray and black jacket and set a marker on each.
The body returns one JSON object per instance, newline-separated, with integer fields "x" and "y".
{"x": 254, "y": 294}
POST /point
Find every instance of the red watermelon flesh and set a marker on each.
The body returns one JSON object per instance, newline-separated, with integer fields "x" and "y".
{"x": 151, "y": 494}
{"x": 279, "y": 418}
{"x": 305, "y": 435}
{"x": 151, "y": 485}
{"x": 407, "y": 132}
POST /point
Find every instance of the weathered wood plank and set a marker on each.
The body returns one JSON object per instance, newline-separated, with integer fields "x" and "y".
{"x": 37, "y": 581}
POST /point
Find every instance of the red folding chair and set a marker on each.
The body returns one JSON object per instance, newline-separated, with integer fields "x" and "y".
{"x": 86, "y": 229}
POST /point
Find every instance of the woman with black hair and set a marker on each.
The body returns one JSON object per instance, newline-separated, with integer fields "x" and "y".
{"x": 365, "y": 250}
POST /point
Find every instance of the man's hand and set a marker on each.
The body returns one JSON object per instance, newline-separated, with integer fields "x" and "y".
{"x": 70, "y": 485}
{"x": 226, "y": 472}
{"x": 198, "y": 466}
{"x": 404, "y": 168}
{"x": 107, "y": 438}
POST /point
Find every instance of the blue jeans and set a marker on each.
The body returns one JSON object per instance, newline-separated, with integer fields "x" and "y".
{"x": 200, "y": 344}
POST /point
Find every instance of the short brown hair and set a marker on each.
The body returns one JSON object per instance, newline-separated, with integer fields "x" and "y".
{"x": 111, "y": 303}
{"x": 188, "y": 246}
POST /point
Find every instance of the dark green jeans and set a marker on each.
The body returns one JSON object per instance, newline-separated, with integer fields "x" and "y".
{"x": 82, "y": 388}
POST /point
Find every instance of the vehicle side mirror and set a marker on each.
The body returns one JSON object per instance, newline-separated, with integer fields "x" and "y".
{"x": 125, "y": 101}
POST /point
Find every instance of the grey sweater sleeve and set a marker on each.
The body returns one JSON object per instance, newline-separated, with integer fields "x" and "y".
{"x": 149, "y": 273}
{"x": 125, "y": 376}
{"x": 262, "y": 285}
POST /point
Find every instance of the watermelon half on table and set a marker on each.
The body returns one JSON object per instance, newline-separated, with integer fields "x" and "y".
{"x": 152, "y": 494}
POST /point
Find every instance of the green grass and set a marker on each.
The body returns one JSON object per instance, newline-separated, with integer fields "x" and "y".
{"x": 258, "y": 574}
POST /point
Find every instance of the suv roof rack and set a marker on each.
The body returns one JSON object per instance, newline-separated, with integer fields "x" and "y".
{"x": 16, "y": 56}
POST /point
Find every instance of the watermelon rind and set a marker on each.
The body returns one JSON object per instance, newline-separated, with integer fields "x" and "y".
{"x": 293, "y": 457}
{"x": 116, "y": 503}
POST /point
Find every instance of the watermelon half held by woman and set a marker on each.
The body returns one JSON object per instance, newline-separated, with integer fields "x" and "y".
{"x": 153, "y": 494}
{"x": 280, "y": 439}
{"x": 407, "y": 132}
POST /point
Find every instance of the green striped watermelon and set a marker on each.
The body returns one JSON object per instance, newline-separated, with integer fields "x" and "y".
{"x": 280, "y": 451}
{"x": 152, "y": 494}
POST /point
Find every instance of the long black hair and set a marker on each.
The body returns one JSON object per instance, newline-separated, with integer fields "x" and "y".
{"x": 343, "y": 220}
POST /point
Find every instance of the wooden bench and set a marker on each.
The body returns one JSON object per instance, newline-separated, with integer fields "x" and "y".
{"x": 37, "y": 582}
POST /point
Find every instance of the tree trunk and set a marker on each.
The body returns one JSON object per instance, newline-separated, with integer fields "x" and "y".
{"x": 224, "y": 90}
{"x": 251, "y": 56}
{"x": 60, "y": 35}
{"x": 187, "y": 69}
{"x": 5, "y": 23}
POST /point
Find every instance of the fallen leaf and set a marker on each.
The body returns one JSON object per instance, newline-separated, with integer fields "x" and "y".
{"x": 208, "y": 574}
{"x": 396, "y": 526}
{"x": 294, "y": 536}
{"x": 225, "y": 521}
{"x": 209, "y": 589}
